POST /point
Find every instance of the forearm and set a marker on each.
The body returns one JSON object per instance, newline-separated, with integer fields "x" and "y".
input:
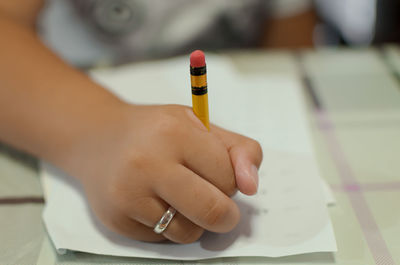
{"x": 46, "y": 106}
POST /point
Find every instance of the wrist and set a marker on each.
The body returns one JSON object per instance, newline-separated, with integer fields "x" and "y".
{"x": 84, "y": 133}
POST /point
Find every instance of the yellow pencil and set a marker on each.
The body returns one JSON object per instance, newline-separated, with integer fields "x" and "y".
{"x": 198, "y": 78}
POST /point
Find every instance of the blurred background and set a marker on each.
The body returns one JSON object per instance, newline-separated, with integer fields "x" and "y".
{"x": 86, "y": 32}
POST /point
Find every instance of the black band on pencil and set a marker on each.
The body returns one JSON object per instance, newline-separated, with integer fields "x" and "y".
{"x": 198, "y": 91}
{"x": 198, "y": 70}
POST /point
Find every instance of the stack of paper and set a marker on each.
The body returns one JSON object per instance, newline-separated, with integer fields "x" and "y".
{"x": 288, "y": 216}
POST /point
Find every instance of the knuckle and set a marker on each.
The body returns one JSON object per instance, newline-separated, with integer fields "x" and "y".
{"x": 119, "y": 191}
{"x": 167, "y": 124}
{"x": 114, "y": 223}
{"x": 118, "y": 202}
{"x": 216, "y": 214}
{"x": 135, "y": 205}
{"x": 114, "y": 193}
{"x": 191, "y": 235}
{"x": 255, "y": 147}
{"x": 117, "y": 223}
{"x": 138, "y": 160}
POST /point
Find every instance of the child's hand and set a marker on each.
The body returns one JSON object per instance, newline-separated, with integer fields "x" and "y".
{"x": 133, "y": 161}
{"x": 154, "y": 157}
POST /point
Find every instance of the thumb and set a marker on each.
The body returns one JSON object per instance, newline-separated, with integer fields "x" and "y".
{"x": 246, "y": 157}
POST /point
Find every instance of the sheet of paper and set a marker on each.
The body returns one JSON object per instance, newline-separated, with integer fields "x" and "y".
{"x": 287, "y": 217}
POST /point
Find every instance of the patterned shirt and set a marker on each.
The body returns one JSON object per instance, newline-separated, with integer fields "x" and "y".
{"x": 87, "y": 31}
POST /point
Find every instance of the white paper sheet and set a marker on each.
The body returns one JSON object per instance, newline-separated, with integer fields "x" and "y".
{"x": 287, "y": 217}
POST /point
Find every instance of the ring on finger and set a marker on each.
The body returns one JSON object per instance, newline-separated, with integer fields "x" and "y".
{"x": 164, "y": 221}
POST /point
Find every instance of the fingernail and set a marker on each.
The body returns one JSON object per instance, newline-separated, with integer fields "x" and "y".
{"x": 254, "y": 174}
{"x": 246, "y": 177}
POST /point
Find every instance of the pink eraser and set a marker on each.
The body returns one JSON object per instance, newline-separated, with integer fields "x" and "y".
{"x": 197, "y": 59}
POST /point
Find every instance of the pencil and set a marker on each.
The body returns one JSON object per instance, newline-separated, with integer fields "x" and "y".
{"x": 198, "y": 78}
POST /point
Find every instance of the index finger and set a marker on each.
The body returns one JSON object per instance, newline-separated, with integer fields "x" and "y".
{"x": 237, "y": 142}
{"x": 246, "y": 156}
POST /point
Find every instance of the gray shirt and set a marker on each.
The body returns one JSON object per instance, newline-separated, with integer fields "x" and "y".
{"x": 85, "y": 32}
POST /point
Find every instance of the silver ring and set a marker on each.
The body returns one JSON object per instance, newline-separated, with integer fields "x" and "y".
{"x": 164, "y": 221}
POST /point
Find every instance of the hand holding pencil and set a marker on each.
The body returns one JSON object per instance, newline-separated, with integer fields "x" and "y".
{"x": 168, "y": 173}
{"x": 134, "y": 162}
{"x": 160, "y": 157}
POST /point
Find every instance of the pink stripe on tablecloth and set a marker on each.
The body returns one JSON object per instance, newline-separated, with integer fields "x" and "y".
{"x": 371, "y": 186}
{"x": 370, "y": 229}
{"x": 381, "y": 186}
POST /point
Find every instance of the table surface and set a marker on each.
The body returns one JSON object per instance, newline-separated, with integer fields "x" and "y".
{"x": 353, "y": 98}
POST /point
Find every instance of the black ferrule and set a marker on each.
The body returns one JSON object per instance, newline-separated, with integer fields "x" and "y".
{"x": 198, "y": 70}
{"x": 198, "y": 91}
